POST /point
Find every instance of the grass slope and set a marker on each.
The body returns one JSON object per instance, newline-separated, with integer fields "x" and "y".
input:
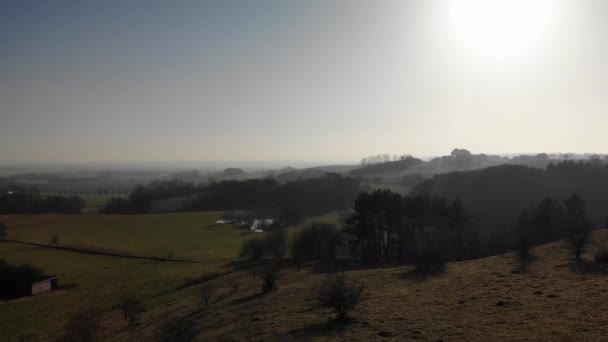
{"x": 476, "y": 300}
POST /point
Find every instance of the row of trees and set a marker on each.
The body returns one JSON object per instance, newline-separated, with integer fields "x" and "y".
{"x": 383, "y": 228}
{"x": 495, "y": 197}
{"x": 15, "y": 202}
{"x": 386, "y": 227}
{"x": 550, "y": 220}
{"x": 291, "y": 201}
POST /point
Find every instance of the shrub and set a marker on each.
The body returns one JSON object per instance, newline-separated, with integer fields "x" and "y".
{"x": 182, "y": 329}
{"x": 131, "y": 308}
{"x": 2, "y": 231}
{"x": 254, "y": 249}
{"x": 340, "y": 294}
{"x": 55, "y": 239}
{"x": 82, "y": 326}
{"x": 601, "y": 256}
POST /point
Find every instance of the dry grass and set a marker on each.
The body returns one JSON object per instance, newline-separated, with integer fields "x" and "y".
{"x": 478, "y": 300}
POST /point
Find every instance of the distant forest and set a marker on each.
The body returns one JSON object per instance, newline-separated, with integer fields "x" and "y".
{"x": 18, "y": 201}
{"x": 495, "y": 197}
{"x": 292, "y": 200}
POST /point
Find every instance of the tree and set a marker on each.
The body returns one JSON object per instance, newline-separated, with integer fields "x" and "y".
{"x": 578, "y": 227}
{"x": 276, "y": 242}
{"x": 523, "y": 240}
{"x": 341, "y": 294}
{"x": 2, "y": 231}
{"x": 319, "y": 241}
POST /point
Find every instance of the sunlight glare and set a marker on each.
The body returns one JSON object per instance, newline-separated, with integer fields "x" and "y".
{"x": 500, "y": 27}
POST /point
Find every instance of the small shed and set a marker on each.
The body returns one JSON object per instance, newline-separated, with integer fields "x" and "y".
{"x": 45, "y": 285}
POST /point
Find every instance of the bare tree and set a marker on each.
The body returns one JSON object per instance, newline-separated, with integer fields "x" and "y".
{"x": 341, "y": 294}
{"x": 578, "y": 228}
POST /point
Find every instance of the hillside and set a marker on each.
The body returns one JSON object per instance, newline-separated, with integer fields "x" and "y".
{"x": 477, "y": 300}
{"x": 474, "y": 300}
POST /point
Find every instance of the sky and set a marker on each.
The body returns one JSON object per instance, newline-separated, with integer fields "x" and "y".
{"x": 322, "y": 80}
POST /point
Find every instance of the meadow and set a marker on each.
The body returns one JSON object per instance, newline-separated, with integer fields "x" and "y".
{"x": 191, "y": 236}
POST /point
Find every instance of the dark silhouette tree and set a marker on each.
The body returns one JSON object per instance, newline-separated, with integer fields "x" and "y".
{"x": 577, "y": 225}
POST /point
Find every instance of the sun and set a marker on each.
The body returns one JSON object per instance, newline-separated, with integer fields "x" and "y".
{"x": 500, "y": 27}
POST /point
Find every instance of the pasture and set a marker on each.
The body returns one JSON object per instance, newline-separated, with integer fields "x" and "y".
{"x": 100, "y": 281}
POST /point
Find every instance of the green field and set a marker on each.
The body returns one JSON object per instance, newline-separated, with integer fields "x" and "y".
{"x": 192, "y": 236}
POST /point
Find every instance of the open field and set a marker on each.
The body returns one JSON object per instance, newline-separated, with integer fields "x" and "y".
{"x": 193, "y": 236}
{"x": 85, "y": 280}
{"x": 100, "y": 281}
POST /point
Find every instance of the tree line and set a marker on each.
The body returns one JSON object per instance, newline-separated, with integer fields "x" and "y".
{"x": 19, "y": 202}
{"x": 496, "y": 197}
{"x": 292, "y": 200}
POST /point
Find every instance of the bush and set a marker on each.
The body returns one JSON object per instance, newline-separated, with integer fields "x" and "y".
{"x": 55, "y": 239}
{"x": 83, "y": 326}
{"x": 182, "y": 329}
{"x": 340, "y": 294}
{"x": 2, "y": 231}
{"x": 131, "y": 308}
{"x": 254, "y": 249}
{"x": 601, "y": 256}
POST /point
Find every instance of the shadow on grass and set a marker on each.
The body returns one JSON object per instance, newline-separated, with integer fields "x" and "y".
{"x": 415, "y": 275}
{"x": 68, "y": 286}
{"x": 248, "y": 298}
{"x": 323, "y": 267}
{"x": 333, "y": 327}
{"x": 588, "y": 267}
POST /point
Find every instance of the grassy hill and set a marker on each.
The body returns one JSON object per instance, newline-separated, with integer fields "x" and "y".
{"x": 475, "y": 300}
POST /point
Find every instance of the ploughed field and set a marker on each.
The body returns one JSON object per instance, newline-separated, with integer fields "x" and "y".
{"x": 476, "y": 300}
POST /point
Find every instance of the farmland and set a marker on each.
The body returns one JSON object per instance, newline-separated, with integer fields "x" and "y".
{"x": 99, "y": 281}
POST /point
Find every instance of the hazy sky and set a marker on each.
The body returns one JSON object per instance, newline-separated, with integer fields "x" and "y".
{"x": 298, "y": 80}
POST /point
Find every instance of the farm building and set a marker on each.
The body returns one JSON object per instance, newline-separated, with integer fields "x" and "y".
{"x": 46, "y": 285}
{"x": 24, "y": 280}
